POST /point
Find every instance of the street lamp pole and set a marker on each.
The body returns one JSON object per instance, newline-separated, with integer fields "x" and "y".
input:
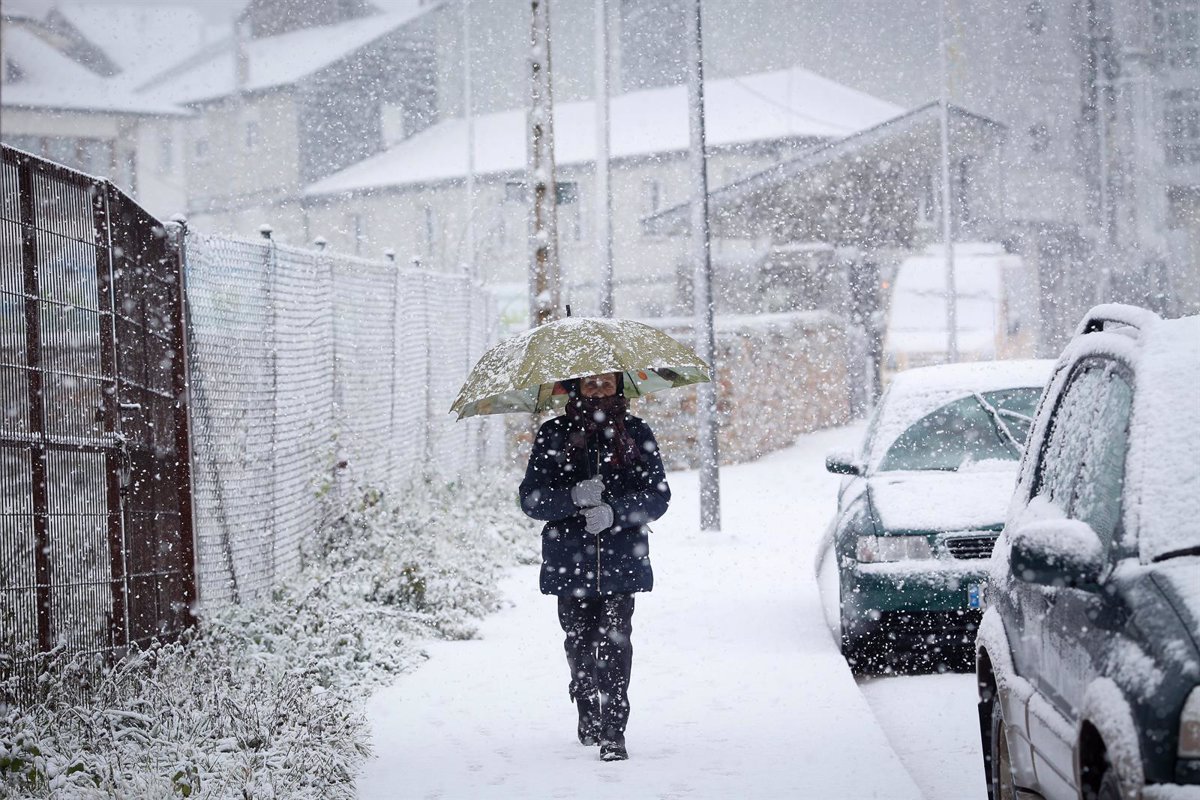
{"x": 603, "y": 195}
{"x": 947, "y": 211}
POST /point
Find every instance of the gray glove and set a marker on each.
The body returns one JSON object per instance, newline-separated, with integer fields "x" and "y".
{"x": 597, "y": 518}
{"x": 586, "y": 494}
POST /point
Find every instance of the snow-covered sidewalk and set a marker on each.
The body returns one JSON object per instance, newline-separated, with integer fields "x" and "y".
{"x": 738, "y": 689}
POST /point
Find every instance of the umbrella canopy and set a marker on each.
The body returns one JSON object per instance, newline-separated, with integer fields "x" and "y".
{"x": 522, "y": 373}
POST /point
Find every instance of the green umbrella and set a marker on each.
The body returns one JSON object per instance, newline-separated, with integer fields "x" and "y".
{"x": 522, "y": 373}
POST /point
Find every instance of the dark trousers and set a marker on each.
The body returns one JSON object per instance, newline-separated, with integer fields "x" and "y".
{"x": 600, "y": 653}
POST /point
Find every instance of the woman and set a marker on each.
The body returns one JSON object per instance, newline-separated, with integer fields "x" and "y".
{"x": 596, "y": 479}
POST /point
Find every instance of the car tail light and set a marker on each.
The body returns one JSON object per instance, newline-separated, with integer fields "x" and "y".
{"x": 1189, "y": 727}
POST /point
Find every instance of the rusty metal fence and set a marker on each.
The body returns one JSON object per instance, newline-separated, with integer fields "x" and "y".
{"x": 179, "y": 410}
{"x": 95, "y": 504}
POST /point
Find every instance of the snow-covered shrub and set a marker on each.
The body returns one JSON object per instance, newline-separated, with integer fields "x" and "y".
{"x": 264, "y": 700}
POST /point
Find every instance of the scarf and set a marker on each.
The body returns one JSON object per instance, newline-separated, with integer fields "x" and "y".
{"x": 602, "y": 420}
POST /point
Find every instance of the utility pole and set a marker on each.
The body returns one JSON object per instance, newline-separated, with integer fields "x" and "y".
{"x": 545, "y": 279}
{"x": 469, "y": 121}
{"x": 603, "y": 195}
{"x": 702, "y": 296}
{"x": 947, "y": 211}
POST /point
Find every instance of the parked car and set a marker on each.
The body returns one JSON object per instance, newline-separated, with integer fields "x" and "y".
{"x": 1088, "y": 655}
{"x": 922, "y": 504}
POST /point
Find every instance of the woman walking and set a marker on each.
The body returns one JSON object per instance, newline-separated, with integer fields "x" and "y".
{"x": 595, "y": 477}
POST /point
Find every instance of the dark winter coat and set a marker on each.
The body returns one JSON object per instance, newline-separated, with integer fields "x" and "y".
{"x": 572, "y": 558}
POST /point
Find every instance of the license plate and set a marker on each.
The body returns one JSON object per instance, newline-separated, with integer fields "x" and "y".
{"x": 975, "y": 594}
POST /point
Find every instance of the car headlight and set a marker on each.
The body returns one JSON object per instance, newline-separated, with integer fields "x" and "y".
{"x": 892, "y": 548}
{"x": 1189, "y": 727}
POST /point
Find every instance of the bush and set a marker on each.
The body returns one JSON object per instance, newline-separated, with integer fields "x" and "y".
{"x": 264, "y": 700}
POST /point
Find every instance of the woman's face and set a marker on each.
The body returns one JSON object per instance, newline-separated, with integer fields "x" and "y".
{"x": 599, "y": 385}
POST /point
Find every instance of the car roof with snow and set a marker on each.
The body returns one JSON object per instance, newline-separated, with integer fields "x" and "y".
{"x": 1164, "y": 448}
{"x": 917, "y": 392}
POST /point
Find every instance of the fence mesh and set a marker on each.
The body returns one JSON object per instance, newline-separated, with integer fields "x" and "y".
{"x": 95, "y": 523}
{"x": 313, "y": 372}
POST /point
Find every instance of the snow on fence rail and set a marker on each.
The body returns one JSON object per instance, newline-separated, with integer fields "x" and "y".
{"x": 313, "y": 372}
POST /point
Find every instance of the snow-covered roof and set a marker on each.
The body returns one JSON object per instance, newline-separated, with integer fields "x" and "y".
{"x": 916, "y": 392}
{"x": 791, "y": 103}
{"x": 51, "y": 79}
{"x": 898, "y": 136}
{"x": 917, "y": 320}
{"x": 279, "y": 60}
{"x": 142, "y": 40}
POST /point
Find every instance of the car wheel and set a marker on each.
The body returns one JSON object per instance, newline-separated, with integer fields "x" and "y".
{"x": 857, "y": 650}
{"x": 1001, "y": 785}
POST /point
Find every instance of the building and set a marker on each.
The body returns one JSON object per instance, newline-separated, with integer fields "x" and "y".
{"x": 69, "y": 93}
{"x": 414, "y": 192}
{"x": 274, "y": 113}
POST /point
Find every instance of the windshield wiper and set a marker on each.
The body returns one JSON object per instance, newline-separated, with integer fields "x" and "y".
{"x": 1194, "y": 550}
{"x": 998, "y": 423}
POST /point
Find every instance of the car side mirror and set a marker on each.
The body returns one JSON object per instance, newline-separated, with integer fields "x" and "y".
{"x": 1057, "y": 552}
{"x": 842, "y": 463}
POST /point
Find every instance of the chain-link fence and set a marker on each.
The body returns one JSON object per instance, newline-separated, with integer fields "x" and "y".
{"x": 312, "y": 372}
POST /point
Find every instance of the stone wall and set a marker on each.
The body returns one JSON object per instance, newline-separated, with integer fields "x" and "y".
{"x": 778, "y": 376}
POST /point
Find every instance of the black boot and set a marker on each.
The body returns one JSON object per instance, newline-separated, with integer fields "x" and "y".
{"x": 612, "y": 746}
{"x": 587, "y": 701}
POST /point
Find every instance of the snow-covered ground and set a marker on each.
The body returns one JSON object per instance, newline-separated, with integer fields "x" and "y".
{"x": 738, "y": 688}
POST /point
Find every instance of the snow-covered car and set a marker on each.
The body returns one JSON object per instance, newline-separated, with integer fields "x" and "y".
{"x": 1088, "y": 655}
{"x": 922, "y": 504}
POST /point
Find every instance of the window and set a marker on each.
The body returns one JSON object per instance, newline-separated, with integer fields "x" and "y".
{"x": 1035, "y": 17}
{"x": 430, "y": 230}
{"x": 989, "y": 427}
{"x": 201, "y": 148}
{"x": 1175, "y": 28}
{"x": 30, "y": 144}
{"x": 251, "y": 136}
{"x": 566, "y": 192}
{"x": 166, "y": 154}
{"x": 12, "y": 71}
{"x": 927, "y": 202}
{"x": 359, "y": 228}
{"x": 1039, "y": 138}
{"x": 653, "y": 193}
{"x": 1070, "y": 429}
{"x": 1182, "y": 117}
{"x": 1102, "y": 477}
{"x": 96, "y": 156}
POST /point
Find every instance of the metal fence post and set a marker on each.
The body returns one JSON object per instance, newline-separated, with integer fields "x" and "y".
{"x": 106, "y": 299}
{"x": 273, "y": 364}
{"x": 37, "y": 417}
{"x": 390, "y": 255}
{"x": 181, "y": 377}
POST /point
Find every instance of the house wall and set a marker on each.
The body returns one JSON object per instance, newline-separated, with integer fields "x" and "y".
{"x": 126, "y": 148}
{"x": 780, "y": 375}
{"x": 244, "y": 165}
{"x": 428, "y": 222}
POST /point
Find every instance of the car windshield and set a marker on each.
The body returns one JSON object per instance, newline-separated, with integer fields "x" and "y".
{"x": 985, "y": 426}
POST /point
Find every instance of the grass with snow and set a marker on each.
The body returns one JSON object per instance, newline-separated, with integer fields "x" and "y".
{"x": 263, "y": 700}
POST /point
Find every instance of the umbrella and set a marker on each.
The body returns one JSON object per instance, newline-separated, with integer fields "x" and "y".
{"x": 522, "y": 373}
